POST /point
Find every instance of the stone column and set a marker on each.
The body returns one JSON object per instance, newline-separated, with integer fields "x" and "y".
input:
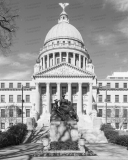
{"x": 67, "y": 57}
{"x": 37, "y": 98}
{"x": 48, "y": 97}
{"x": 74, "y": 58}
{"x": 69, "y": 91}
{"x": 44, "y": 62}
{"x": 48, "y": 61}
{"x": 79, "y": 100}
{"x": 58, "y": 91}
{"x": 53, "y": 58}
{"x": 79, "y": 61}
{"x": 90, "y": 98}
{"x": 60, "y": 57}
{"x": 83, "y": 62}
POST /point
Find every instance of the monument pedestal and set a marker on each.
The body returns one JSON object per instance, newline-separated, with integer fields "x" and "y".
{"x": 44, "y": 121}
{"x": 63, "y": 131}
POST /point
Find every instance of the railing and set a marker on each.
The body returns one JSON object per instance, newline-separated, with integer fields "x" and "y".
{"x": 62, "y": 45}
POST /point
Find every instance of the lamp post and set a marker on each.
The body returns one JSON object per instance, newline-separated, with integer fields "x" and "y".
{"x": 22, "y": 104}
{"x": 106, "y": 104}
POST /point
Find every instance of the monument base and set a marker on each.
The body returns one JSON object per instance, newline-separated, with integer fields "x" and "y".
{"x": 44, "y": 121}
{"x": 63, "y": 131}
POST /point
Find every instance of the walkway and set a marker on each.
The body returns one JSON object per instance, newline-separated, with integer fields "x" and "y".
{"x": 104, "y": 152}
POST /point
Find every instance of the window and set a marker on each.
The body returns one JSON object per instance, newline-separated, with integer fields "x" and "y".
{"x": 63, "y": 59}
{"x": 117, "y": 125}
{"x": 108, "y": 112}
{"x": 124, "y": 125}
{"x": 2, "y": 125}
{"x": 10, "y": 112}
{"x": 19, "y": 112}
{"x": 27, "y": 98}
{"x": 2, "y": 98}
{"x": 108, "y": 85}
{"x": 75, "y": 106}
{"x": 43, "y": 90}
{"x": 69, "y": 42}
{"x": 53, "y": 90}
{"x": 10, "y": 98}
{"x": 116, "y": 98}
{"x": 2, "y": 85}
{"x": 74, "y": 90}
{"x": 100, "y": 84}
{"x": 108, "y": 98}
{"x": 124, "y": 98}
{"x": 125, "y": 113}
{"x": 116, "y": 112}
{"x": 27, "y": 112}
{"x": 100, "y": 113}
{"x": 125, "y": 85}
{"x": 27, "y": 85}
{"x": 19, "y": 85}
{"x": 69, "y": 60}
{"x": 84, "y": 90}
{"x": 57, "y": 60}
{"x": 10, "y": 85}
{"x": 100, "y": 98}
{"x": 18, "y": 98}
{"x": 2, "y": 112}
{"x": 63, "y": 90}
{"x": 116, "y": 85}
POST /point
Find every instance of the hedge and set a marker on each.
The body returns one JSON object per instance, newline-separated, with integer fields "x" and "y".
{"x": 13, "y": 136}
{"x": 122, "y": 140}
{"x": 113, "y": 136}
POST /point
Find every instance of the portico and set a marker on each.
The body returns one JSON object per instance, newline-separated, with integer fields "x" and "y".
{"x": 74, "y": 92}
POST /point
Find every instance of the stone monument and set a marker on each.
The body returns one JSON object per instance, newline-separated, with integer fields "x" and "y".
{"x": 63, "y": 121}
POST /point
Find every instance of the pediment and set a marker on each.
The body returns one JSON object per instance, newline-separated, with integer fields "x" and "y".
{"x": 64, "y": 70}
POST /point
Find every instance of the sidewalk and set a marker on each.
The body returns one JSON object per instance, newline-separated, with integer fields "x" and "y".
{"x": 103, "y": 151}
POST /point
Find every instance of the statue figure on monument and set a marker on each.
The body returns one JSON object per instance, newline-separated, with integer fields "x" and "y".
{"x": 63, "y": 112}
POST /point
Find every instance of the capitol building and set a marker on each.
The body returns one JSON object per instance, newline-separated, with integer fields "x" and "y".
{"x": 63, "y": 67}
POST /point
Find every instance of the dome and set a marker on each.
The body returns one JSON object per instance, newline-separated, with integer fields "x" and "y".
{"x": 63, "y": 30}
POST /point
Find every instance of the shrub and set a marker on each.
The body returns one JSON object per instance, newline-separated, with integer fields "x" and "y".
{"x": 106, "y": 127}
{"x": 122, "y": 140}
{"x": 13, "y": 136}
{"x": 111, "y": 135}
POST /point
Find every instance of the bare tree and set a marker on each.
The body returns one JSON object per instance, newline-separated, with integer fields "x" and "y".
{"x": 7, "y": 26}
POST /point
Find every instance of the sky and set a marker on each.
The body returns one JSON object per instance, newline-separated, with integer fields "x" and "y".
{"x": 103, "y": 25}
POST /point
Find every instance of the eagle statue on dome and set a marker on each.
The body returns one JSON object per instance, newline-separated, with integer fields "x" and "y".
{"x": 63, "y": 5}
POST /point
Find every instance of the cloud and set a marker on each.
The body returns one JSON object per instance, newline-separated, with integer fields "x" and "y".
{"x": 116, "y": 55}
{"x": 28, "y": 56}
{"x": 123, "y": 27}
{"x": 105, "y": 39}
{"x": 10, "y": 61}
{"x": 17, "y": 75}
{"x": 5, "y": 60}
{"x": 125, "y": 61}
{"x": 119, "y": 5}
